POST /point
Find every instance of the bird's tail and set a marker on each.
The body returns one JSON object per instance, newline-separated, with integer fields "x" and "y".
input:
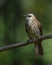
{"x": 38, "y": 49}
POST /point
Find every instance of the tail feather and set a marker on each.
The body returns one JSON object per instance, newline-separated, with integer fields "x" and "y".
{"x": 38, "y": 49}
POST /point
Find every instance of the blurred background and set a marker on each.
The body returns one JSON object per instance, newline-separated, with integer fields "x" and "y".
{"x": 12, "y": 30}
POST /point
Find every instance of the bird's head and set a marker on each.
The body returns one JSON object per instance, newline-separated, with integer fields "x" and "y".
{"x": 30, "y": 17}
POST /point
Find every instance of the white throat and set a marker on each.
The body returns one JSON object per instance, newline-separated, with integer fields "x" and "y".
{"x": 30, "y": 22}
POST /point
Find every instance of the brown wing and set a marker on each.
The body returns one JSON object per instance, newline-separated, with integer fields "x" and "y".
{"x": 40, "y": 28}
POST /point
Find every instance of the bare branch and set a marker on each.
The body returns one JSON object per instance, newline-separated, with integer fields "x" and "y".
{"x": 12, "y": 46}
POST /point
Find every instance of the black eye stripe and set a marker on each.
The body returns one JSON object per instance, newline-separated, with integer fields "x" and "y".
{"x": 29, "y": 15}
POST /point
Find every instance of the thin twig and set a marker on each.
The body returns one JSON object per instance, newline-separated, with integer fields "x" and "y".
{"x": 12, "y": 46}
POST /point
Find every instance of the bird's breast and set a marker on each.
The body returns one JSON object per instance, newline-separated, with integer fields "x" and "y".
{"x": 32, "y": 29}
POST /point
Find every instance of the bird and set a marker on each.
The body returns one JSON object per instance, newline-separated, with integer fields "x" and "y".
{"x": 34, "y": 30}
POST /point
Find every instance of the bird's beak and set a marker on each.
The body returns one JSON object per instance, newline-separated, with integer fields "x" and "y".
{"x": 25, "y": 15}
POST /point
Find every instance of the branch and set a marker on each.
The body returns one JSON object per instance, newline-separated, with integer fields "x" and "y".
{"x": 12, "y": 46}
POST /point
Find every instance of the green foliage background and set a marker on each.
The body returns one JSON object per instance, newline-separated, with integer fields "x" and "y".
{"x": 12, "y": 30}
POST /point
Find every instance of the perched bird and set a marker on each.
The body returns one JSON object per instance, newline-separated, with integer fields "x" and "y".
{"x": 34, "y": 30}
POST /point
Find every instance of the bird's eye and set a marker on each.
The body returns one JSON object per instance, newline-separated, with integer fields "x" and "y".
{"x": 29, "y": 15}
